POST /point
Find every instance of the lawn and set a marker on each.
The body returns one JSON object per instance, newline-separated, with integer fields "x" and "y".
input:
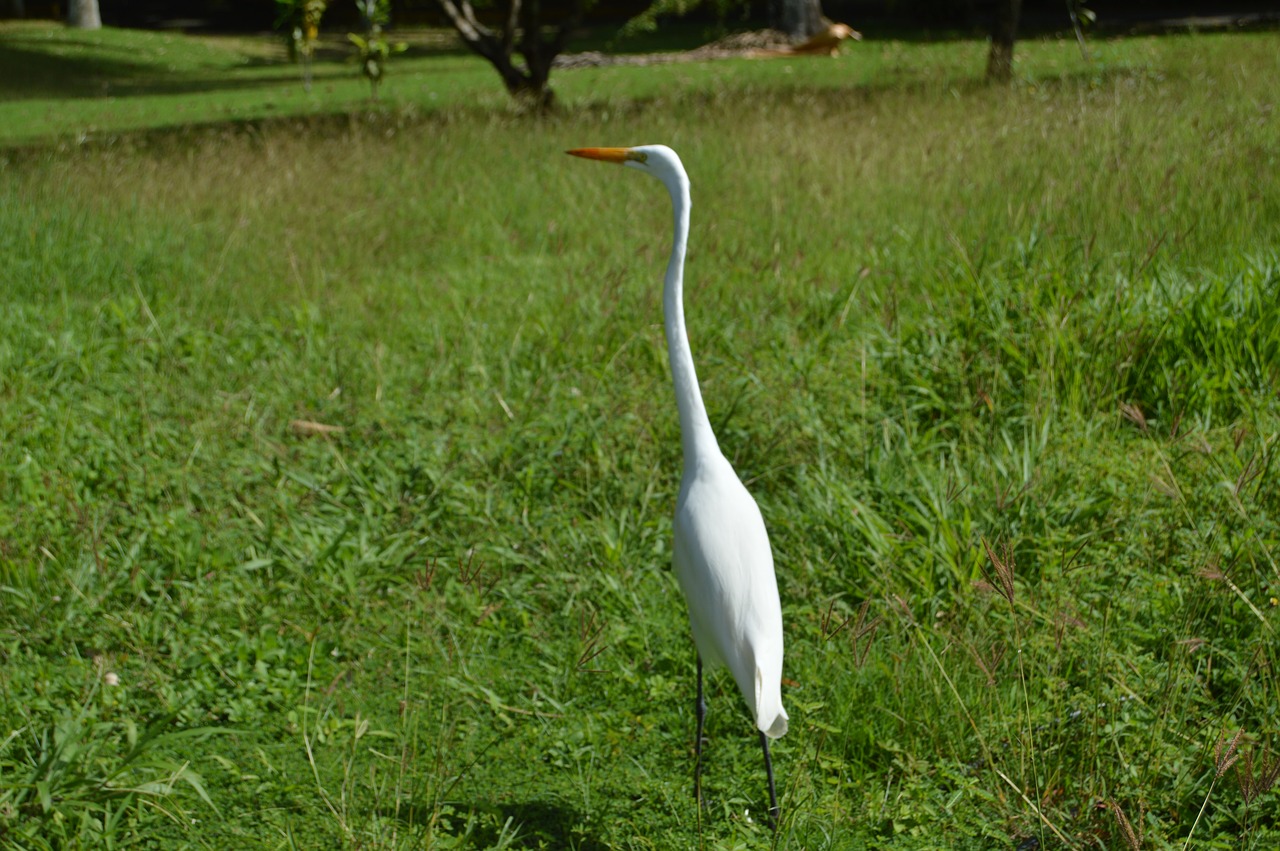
{"x": 1000, "y": 368}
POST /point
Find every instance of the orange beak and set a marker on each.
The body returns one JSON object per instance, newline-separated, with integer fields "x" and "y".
{"x": 609, "y": 155}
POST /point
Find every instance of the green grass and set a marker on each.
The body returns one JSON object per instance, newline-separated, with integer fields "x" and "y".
{"x": 76, "y": 85}
{"x": 928, "y": 318}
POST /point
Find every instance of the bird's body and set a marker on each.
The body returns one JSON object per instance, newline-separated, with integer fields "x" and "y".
{"x": 723, "y": 561}
{"x": 827, "y": 40}
{"x": 721, "y": 552}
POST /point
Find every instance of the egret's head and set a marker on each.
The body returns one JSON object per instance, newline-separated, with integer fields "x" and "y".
{"x": 657, "y": 160}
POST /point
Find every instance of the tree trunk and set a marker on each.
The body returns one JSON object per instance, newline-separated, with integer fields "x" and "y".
{"x": 17, "y": 8}
{"x": 523, "y": 20}
{"x": 1074, "y": 10}
{"x": 83, "y": 15}
{"x": 1004, "y": 31}
{"x": 799, "y": 19}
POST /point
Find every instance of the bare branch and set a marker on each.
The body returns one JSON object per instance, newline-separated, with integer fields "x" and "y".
{"x": 513, "y": 22}
{"x": 464, "y": 20}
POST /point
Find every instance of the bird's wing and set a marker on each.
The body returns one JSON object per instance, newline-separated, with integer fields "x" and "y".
{"x": 725, "y": 567}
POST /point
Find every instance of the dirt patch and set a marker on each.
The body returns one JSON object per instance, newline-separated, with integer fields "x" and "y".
{"x": 750, "y": 45}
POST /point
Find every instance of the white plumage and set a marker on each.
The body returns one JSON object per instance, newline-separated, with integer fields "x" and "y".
{"x": 721, "y": 555}
{"x": 725, "y": 567}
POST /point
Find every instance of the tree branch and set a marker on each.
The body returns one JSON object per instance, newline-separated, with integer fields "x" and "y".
{"x": 520, "y": 34}
{"x": 465, "y": 22}
{"x": 513, "y": 21}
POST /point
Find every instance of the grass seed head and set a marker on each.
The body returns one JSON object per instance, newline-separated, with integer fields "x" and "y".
{"x": 1131, "y": 835}
{"x": 1254, "y": 784}
{"x": 1134, "y": 414}
{"x": 1004, "y": 567}
{"x": 1225, "y": 753}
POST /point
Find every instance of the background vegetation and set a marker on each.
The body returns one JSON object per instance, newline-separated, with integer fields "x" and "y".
{"x": 999, "y": 366}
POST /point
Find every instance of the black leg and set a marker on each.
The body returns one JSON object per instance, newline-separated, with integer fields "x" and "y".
{"x": 701, "y": 709}
{"x": 774, "y": 812}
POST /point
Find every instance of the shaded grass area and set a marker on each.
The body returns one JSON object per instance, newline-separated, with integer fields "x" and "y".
{"x": 60, "y": 84}
{"x": 65, "y": 84}
{"x": 1000, "y": 368}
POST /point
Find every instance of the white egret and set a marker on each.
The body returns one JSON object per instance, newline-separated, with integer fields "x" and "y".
{"x": 721, "y": 554}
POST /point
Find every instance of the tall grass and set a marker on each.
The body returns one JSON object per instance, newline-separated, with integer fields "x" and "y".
{"x": 1000, "y": 367}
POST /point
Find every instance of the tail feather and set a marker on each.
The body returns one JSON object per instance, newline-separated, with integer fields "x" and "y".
{"x": 771, "y": 718}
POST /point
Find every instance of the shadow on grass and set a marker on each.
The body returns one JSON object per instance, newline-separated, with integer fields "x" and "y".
{"x": 838, "y": 96}
{"x": 536, "y": 824}
{"x": 28, "y": 72}
{"x": 32, "y": 68}
{"x": 417, "y": 114}
{"x": 32, "y": 71}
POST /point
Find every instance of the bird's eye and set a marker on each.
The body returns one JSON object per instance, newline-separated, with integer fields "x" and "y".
{"x": 638, "y": 156}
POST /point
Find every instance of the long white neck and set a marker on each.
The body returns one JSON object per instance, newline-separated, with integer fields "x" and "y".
{"x": 696, "y": 436}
